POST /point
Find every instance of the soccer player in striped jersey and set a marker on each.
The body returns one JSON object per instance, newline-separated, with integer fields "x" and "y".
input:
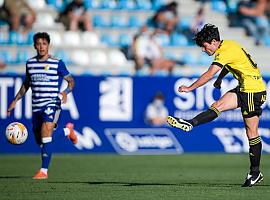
{"x": 43, "y": 75}
{"x": 249, "y": 95}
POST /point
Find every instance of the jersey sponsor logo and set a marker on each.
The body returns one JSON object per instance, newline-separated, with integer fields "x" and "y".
{"x": 136, "y": 141}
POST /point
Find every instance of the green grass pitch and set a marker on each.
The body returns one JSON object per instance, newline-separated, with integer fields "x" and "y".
{"x": 84, "y": 176}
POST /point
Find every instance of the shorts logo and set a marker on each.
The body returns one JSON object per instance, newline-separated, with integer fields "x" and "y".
{"x": 48, "y": 111}
{"x": 263, "y": 98}
{"x": 245, "y": 113}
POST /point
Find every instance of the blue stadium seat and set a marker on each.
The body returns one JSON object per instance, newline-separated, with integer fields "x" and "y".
{"x": 12, "y": 38}
{"x": 59, "y": 5}
{"x": 60, "y": 54}
{"x": 99, "y": 21}
{"x": 108, "y": 4}
{"x": 118, "y": 21}
{"x": 178, "y": 39}
{"x": 157, "y": 3}
{"x": 162, "y": 39}
{"x": 126, "y": 4}
{"x": 6, "y": 57}
{"x": 218, "y": 6}
{"x": 188, "y": 59}
{"x": 124, "y": 40}
{"x": 204, "y": 59}
{"x": 3, "y": 38}
{"x": 22, "y": 56}
{"x": 143, "y": 5}
{"x": 134, "y": 22}
{"x": 108, "y": 40}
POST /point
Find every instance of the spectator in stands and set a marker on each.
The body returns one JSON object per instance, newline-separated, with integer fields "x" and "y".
{"x": 2, "y": 65}
{"x": 75, "y": 16}
{"x": 254, "y": 19}
{"x": 146, "y": 50}
{"x": 19, "y": 13}
{"x": 166, "y": 18}
{"x": 199, "y": 20}
{"x": 156, "y": 112}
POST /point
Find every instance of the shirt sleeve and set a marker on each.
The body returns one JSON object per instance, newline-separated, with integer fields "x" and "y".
{"x": 62, "y": 69}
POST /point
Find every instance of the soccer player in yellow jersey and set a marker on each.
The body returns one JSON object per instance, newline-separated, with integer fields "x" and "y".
{"x": 249, "y": 95}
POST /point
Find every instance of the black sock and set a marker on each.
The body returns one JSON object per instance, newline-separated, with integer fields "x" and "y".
{"x": 255, "y": 149}
{"x": 206, "y": 116}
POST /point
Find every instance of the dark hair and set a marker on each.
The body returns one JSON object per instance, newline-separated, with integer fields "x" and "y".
{"x": 43, "y": 35}
{"x": 207, "y": 34}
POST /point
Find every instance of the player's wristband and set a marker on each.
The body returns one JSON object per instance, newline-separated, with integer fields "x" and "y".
{"x": 67, "y": 90}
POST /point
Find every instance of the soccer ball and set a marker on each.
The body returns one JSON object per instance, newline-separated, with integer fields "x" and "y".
{"x": 16, "y": 133}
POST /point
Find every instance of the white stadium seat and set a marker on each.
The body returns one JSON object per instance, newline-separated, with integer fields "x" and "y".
{"x": 116, "y": 57}
{"x": 98, "y": 57}
{"x": 90, "y": 39}
{"x": 72, "y": 38}
{"x": 80, "y": 57}
{"x": 56, "y": 39}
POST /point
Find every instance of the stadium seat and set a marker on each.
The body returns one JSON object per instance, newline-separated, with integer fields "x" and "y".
{"x": 44, "y": 20}
{"x": 22, "y": 56}
{"x": 124, "y": 40}
{"x": 6, "y": 57}
{"x": 134, "y": 22}
{"x": 178, "y": 39}
{"x": 80, "y": 57}
{"x": 99, "y": 21}
{"x": 108, "y": 4}
{"x": 162, "y": 39}
{"x": 116, "y": 57}
{"x": 204, "y": 60}
{"x": 61, "y": 54}
{"x": 98, "y": 57}
{"x": 108, "y": 40}
{"x": 4, "y": 37}
{"x": 59, "y": 5}
{"x": 126, "y": 4}
{"x": 72, "y": 38}
{"x": 92, "y": 4}
{"x": 56, "y": 39}
{"x": 118, "y": 21}
{"x": 143, "y": 5}
{"x": 188, "y": 58}
{"x": 90, "y": 39}
{"x": 39, "y": 4}
{"x": 218, "y": 6}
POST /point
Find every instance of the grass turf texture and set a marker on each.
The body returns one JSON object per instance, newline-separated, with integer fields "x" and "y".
{"x": 188, "y": 176}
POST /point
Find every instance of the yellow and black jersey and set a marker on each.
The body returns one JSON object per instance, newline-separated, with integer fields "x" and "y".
{"x": 239, "y": 62}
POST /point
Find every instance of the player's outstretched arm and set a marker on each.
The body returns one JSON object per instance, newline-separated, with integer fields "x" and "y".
{"x": 203, "y": 79}
{"x": 24, "y": 88}
{"x": 223, "y": 73}
{"x": 69, "y": 88}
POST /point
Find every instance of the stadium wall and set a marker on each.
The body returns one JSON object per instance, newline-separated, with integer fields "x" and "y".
{"x": 108, "y": 113}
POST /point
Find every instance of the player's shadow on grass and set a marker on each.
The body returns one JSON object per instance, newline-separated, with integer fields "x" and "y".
{"x": 134, "y": 184}
{"x": 13, "y": 177}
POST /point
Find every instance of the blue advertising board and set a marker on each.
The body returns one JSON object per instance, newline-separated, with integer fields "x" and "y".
{"x": 109, "y": 117}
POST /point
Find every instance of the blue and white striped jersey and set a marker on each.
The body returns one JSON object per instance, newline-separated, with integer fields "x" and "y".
{"x": 45, "y": 80}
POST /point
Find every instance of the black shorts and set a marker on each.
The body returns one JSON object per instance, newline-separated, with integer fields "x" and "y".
{"x": 250, "y": 102}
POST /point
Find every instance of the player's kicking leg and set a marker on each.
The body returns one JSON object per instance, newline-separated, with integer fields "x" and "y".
{"x": 227, "y": 102}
